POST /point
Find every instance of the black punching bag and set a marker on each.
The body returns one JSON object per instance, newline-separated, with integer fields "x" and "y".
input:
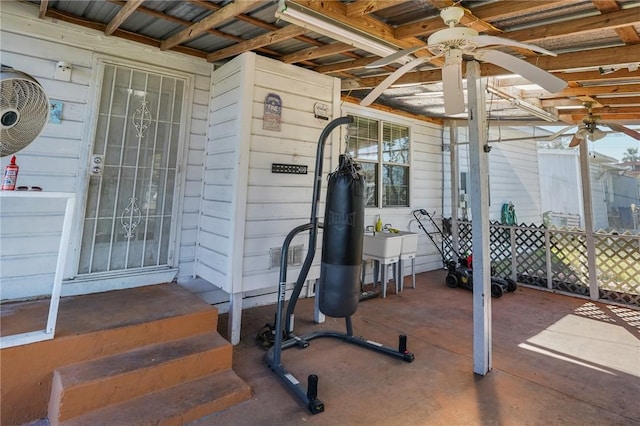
{"x": 342, "y": 241}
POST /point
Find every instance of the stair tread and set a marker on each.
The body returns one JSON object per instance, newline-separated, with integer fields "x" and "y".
{"x": 143, "y": 357}
{"x": 176, "y": 405}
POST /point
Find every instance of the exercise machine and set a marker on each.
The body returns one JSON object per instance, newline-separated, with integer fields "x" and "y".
{"x": 338, "y": 287}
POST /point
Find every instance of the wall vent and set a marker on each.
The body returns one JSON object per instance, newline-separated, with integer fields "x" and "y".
{"x": 294, "y": 256}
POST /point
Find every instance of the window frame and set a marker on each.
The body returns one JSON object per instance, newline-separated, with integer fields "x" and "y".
{"x": 381, "y": 201}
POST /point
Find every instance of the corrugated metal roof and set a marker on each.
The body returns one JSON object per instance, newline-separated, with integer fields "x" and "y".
{"x": 158, "y": 20}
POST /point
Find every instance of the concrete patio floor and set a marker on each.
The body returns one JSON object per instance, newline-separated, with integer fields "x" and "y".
{"x": 557, "y": 360}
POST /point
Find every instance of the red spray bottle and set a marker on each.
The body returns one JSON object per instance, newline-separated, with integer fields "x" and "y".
{"x": 10, "y": 176}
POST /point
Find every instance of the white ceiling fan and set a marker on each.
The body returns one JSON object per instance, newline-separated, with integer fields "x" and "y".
{"x": 589, "y": 129}
{"x": 454, "y": 43}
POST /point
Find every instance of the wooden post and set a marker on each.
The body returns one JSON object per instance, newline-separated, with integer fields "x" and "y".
{"x": 479, "y": 163}
{"x": 455, "y": 186}
{"x": 588, "y": 221}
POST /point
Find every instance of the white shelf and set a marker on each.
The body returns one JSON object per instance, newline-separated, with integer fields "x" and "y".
{"x": 49, "y": 331}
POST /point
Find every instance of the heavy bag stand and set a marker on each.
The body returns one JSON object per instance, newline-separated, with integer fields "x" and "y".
{"x": 284, "y": 336}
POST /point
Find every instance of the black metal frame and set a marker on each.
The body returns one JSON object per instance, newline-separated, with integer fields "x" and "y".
{"x": 273, "y": 357}
{"x": 417, "y": 214}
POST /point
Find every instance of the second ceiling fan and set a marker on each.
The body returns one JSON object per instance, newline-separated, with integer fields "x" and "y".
{"x": 456, "y": 43}
{"x": 589, "y": 130}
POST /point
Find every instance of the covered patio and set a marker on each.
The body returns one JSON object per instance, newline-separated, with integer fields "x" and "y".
{"x": 557, "y": 360}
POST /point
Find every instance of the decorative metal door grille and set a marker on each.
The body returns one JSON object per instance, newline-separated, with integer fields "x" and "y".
{"x": 130, "y": 203}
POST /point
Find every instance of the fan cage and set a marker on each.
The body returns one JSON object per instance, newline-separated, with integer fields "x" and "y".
{"x": 23, "y": 98}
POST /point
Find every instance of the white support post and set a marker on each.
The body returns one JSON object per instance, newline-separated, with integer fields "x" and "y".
{"x": 235, "y": 317}
{"x": 547, "y": 250}
{"x": 479, "y": 162}
{"x": 318, "y": 316}
{"x": 514, "y": 253}
{"x": 588, "y": 221}
{"x": 455, "y": 187}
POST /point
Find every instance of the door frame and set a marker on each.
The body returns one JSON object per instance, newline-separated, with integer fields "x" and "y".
{"x": 124, "y": 279}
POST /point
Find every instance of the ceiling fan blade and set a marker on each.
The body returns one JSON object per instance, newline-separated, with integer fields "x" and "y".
{"x": 452, "y": 85}
{"x": 575, "y": 141}
{"x": 532, "y": 73}
{"x": 559, "y": 133}
{"x": 486, "y": 40}
{"x": 377, "y": 91}
{"x": 620, "y": 128}
{"x": 394, "y": 57}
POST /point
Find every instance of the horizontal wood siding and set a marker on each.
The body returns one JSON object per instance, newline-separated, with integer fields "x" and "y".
{"x": 30, "y": 232}
{"x": 217, "y": 210}
{"x": 58, "y": 159}
{"x": 277, "y": 203}
{"x": 513, "y": 173}
{"x": 425, "y": 183}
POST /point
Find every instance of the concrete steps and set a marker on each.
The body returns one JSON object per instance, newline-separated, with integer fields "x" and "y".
{"x": 91, "y": 385}
{"x": 172, "y": 406}
{"x": 114, "y": 355}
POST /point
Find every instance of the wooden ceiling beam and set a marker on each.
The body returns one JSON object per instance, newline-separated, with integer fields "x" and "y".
{"x": 228, "y": 12}
{"x": 420, "y": 117}
{"x": 603, "y": 100}
{"x": 286, "y": 33}
{"x": 317, "y": 52}
{"x": 138, "y": 38}
{"x": 623, "y": 89}
{"x": 628, "y": 34}
{"x": 577, "y": 118}
{"x": 364, "y": 7}
{"x": 184, "y": 22}
{"x": 345, "y": 65}
{"x": 595, "y": 58}
{"x": 125, "y": 11}
{"x": 603, "y": 110}
{"x": 489, "y": 12}
{"x": 579, "y": 26}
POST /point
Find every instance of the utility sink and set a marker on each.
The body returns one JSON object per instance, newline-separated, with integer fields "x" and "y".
{"x": 409, "y": 242}
{"x": 382, "y": 244}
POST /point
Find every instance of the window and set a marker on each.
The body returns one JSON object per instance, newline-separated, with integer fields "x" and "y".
{"x": 382, "y": 150}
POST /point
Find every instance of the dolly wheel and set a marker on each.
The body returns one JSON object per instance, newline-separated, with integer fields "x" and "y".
{"x": 452, "y": 281}
{"x": 511, "y": 284}
{"x": 496, "y": 290}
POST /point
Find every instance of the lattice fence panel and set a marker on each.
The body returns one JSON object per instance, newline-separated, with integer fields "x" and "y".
{"x": 618, "y": 264}
{"x": 530, "y": 255}
{"x": 500, "y": 243}
{"x": 618, "y": 259}
{"x": 569, "y": 262}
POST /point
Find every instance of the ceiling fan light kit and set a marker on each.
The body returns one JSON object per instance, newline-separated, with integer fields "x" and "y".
{"x": 589, "y": 130}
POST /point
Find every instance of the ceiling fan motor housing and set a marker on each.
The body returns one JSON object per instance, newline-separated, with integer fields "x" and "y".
{"x": 451, "y": 38}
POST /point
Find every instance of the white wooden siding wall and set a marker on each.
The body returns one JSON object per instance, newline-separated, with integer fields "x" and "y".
{"x": 57, "y": 160}
{"x": 194, "y": 164}
{"x": 425, "y": 185}
{"x": 513, "y": 173}
{"x": 274, "y": 203}
{"x": 277, "y": 203}
{"x": 216, "y": 225}
{"x": 30, "y": 231}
